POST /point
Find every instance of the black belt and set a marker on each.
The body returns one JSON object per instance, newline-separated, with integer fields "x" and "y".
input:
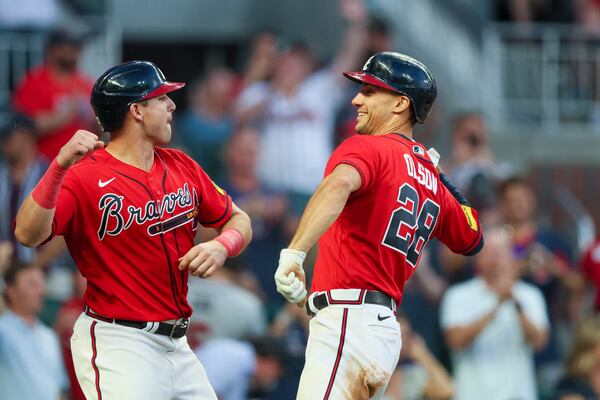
{"x": 321, "y": 301}
{"x": 174, "y": 331}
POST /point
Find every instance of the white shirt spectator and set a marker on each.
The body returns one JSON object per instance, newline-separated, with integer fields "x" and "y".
{"x": 296, "y": 132}
{"x": 228, "y": 310}
{"x": 498, "y": 364}
{"x": 229, "y": 365}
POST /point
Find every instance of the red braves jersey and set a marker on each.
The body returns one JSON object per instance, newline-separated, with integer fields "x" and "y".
{"x": 127, "y": 228}
{"x": 377, "y": 240}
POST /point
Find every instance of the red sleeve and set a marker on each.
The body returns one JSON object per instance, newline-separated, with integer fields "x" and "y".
{"x": 358, "y": 152}
{"x": 215, "y": 205}
{"x": 459, "y": 227}
{"x": 66, "y": 206}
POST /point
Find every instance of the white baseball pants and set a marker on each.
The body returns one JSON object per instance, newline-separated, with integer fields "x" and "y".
{"x": 115, "y": 362}
{"x": 352, "y": 352}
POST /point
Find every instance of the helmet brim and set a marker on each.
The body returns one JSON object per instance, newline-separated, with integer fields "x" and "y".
{"x": 166, "y": 87}
{"x": 364, "y": 77}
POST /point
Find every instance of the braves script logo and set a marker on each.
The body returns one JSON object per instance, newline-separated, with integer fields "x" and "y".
{"x": 116, "y": 220}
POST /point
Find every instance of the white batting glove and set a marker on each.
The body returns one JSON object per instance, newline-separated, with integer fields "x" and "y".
{"x": 289, "y": 277}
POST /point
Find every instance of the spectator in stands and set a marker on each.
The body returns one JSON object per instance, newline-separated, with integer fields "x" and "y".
{"x": 266, "y": 207}
{"x": 582, "y": 378}
{"x": 262, "y": 58}
{"x": 419, "y": 374}
{"x": 492, "y": 324}
{"x": 472, "y": 165}
{"x": 65, "y": 321}
{"x": 240, "y": 370}
{"x": 206, "y": 125}
{"x": 30, "y": 361}
{"x": 295, "y": 111}
{"x": 56, "y": 94}
{"x": 20, "y": 170}
{"x": 476, "y": 173}
{"x": 545, "y": 261}
{"x": 224, "y": 309}
{"x": 590, "y": 274}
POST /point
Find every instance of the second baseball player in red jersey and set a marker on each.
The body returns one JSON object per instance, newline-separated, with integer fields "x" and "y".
{"x": 129, "y": 213}
{"x": 380, "y": 202}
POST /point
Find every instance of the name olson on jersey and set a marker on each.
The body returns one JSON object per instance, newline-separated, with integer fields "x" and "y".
{"x": 115, "y": 220}
{"x": 423, "y": 176}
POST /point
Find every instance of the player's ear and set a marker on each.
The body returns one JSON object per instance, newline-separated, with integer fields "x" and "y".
{"x": 136, "y": 111}
{"x": 401, "y": 104}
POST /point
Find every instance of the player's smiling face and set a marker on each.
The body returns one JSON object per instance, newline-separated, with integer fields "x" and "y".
{"x": 157, "y": 118}
{"x": 374, "y": 107}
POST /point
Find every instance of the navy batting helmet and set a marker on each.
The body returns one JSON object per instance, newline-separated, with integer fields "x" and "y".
{"x": 401, "y": 74}
{"x": 125, "y": 84}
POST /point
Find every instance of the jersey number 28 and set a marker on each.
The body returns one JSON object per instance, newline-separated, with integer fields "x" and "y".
{"x": 409, "y": 227}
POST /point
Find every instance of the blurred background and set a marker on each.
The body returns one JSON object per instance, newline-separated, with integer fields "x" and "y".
{"x": 517, "y": 122}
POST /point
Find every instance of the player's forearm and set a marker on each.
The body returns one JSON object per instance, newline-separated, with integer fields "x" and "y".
{"x": 33, "y": 223}
{"x": 240, "y": 221}
{"x": 322, "y": 210}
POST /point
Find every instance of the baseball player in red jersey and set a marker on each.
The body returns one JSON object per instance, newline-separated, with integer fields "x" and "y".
{"x": 380, "y": 202}
{"x": 128, "y": 213}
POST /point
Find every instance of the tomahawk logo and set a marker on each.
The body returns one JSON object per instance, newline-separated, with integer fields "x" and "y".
{"x": 115, "y": 219}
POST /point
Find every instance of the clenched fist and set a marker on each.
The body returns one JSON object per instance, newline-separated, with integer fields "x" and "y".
{"x": 289, "y": 277}
{"x": 80, "y": 144}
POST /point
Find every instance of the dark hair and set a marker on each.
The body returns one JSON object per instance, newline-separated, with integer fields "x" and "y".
{"x": 461, "y": 116}
{"x": 16, "y": 121}
{"x": 271, "y": 347}
{"x": 506, "y": 184}
{"x": 12, "y": 274}
{"x": 378, "y": 25}
{"x": 62, "y": 37}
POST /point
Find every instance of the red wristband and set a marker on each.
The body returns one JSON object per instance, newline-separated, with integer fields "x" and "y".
{"x": 46, "y": 191}
{"x": 232, "y": 240}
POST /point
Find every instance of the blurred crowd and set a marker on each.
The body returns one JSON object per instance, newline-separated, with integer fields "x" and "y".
{"x": 517, "y": 322}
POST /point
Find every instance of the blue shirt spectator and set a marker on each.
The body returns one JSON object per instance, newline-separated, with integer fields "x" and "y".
{"x": 206, "y": 125}
{"x": 31, "y": 365}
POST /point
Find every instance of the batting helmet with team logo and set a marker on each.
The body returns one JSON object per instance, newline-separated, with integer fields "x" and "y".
{"x": 125, "y": 84}
{"x": 402, "y": 74}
